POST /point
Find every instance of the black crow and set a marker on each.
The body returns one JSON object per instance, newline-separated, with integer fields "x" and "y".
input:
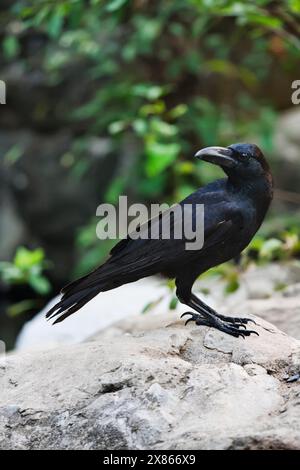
{"x": 234, "y": 208}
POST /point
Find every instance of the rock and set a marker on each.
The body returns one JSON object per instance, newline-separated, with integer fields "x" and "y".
{"x": 282, "y": 311}
{"x": 292, "y": 290}
{"x": 262, "y": 281}
{"x": 170, "y": 387}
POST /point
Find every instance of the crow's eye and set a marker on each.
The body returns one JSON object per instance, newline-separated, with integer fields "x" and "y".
{"x": 245, "y": 156}
{"x": 239, "y": 155}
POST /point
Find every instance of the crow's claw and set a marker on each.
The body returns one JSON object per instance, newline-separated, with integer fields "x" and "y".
{"x": 235, "y": 320}
{"x": 185, "y": 313}
{"x": 198, "y": 319}
{"x": 234, "y": 331}
{"x": 237, "y": 329}
{"x": 240, "y": 325}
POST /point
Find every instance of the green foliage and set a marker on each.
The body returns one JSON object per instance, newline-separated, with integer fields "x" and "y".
{"x": 173, "y": 76}
{"x": 271, "y": 249}
{"x": 10, "y": 47}
{"x": 173, "y": 303}
{"x": 26, "y": 268}
{"x": 90, "y": 249}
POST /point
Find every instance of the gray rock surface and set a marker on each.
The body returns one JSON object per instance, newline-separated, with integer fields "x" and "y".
{"x": 165, "y": 386}
{"x": 284, "y": 312}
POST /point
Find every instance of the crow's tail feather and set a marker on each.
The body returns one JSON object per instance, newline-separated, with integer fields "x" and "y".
{"x": 78, "y": 293}
{"x": 63, "y": 314}
{"x": 70, "y": 304}
{"x": 108, "y": 276}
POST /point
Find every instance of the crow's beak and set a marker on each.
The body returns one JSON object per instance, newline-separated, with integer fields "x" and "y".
{"x": 221, "y": 156}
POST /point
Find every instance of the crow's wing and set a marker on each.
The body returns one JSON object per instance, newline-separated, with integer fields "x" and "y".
{"x": 132, "y": 259}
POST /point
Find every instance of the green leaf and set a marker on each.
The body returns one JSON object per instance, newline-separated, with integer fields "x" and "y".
{"x": 149, "y": 29}
{"x": 116, "y": 127}
{"x": 271, "y": 247}
{"x": 178, "y": 111}
{"x": 294, "y": 5}
{"x": 115, "y": 5}
{"x": 185, "y": 168}
{"x": 151, "y": 92}
{"x": 55, "y": 23}
{"x": 155, "y": 108}
{"x": 232, "y": 286}
{"x": 10, "y": 273}
{"x": 264, "y": 20}
{"x": 24, "y": 259}
{"x": 163, "y": 128}
{"x": 13, "y": 155}
{"x": 160, "y": 156}
{"x": 40, "y": 284}
{"x": 173, "y": 303}
{"x": 140, "y": 126}
{"x": 11, "y": 47}
{"x": 256, "y": 244}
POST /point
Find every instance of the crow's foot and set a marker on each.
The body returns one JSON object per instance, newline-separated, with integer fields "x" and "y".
{"x": 235, "y": 320}
{"x": 229, "y": 327}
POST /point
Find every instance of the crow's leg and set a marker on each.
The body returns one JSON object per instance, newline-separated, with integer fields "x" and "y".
{"x": 206, "y": 316}
{"x": 235, "y": 320}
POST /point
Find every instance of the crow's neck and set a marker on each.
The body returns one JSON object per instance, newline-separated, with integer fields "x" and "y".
{"x": 259, "y": 190}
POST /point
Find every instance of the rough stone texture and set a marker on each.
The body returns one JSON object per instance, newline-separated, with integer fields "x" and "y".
{"x": 287, "y": 318}
{"x": 262, "y": 282}
{"x": 171, "y": 387}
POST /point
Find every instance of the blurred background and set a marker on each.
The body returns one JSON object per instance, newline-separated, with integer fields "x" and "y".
{"x": 114, "y": 97}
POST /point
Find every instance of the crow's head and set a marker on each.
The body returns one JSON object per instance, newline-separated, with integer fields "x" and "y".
{"x": 241, "y": 160}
